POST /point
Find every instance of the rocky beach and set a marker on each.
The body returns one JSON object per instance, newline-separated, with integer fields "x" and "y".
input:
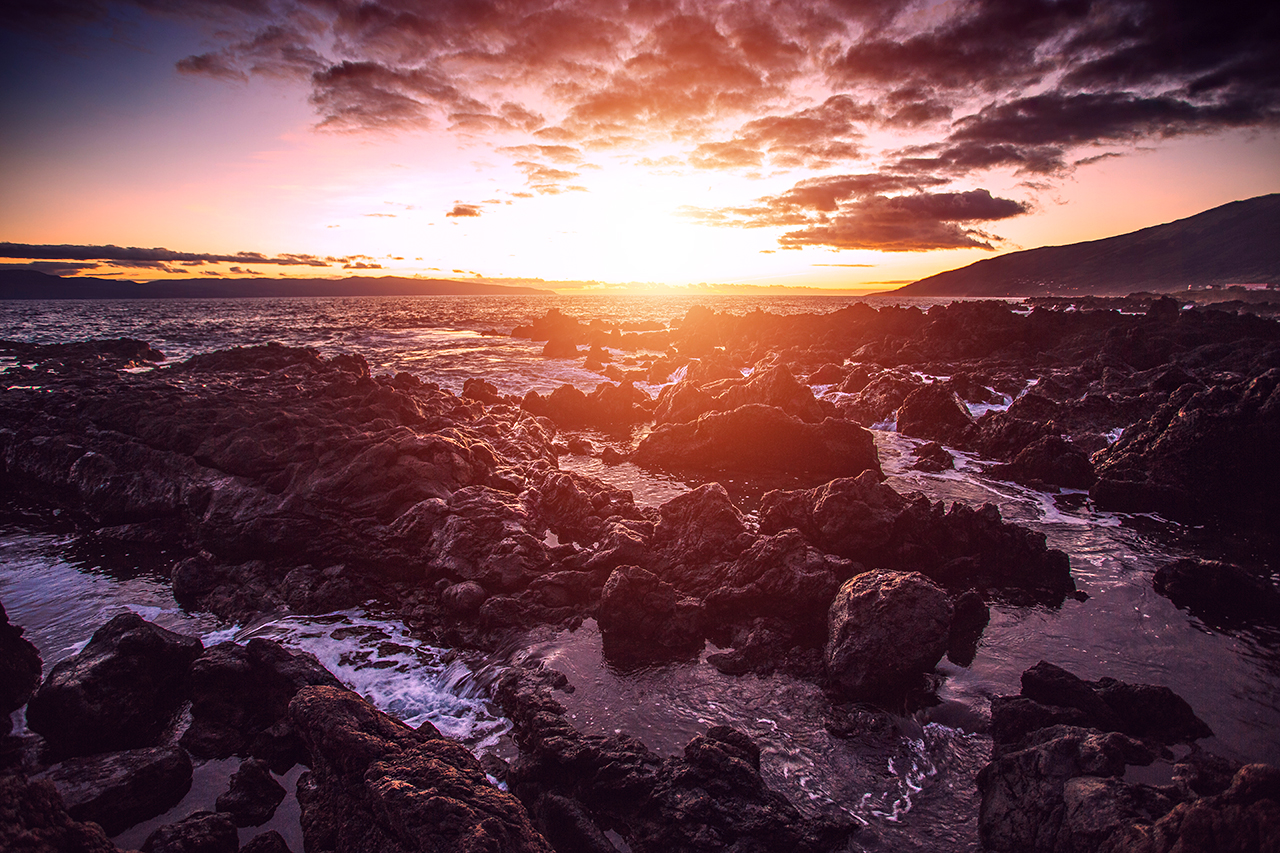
{"x": 264, "y": 480}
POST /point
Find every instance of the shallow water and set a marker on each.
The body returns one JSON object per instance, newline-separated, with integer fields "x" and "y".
{"x": 914, "y": 790}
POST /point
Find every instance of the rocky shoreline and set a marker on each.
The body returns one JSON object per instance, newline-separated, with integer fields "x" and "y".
{"x": 269, "y": 479}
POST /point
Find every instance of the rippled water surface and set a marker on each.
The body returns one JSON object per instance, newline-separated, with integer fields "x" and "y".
{"x": 914, "y": 789}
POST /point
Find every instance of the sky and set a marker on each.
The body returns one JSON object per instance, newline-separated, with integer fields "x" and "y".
{"x": 596, "y": 143}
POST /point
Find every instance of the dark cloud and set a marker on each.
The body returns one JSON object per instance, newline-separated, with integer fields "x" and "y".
{"x": 813, "y": 138}
{"x": 908, "y": 223}
{"x": 361, "y": 265}
{"x": 854, "y": 212}
{"x": 139, "y": 257}
{"x": 464, "y": 210}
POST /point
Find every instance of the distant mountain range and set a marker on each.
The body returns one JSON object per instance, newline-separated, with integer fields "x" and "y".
{"x": 1237, "y": 243}
{"x": 31, "y": 284}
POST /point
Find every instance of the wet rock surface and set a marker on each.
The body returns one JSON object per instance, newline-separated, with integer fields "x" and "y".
{"x": 119, "y": 789}
{"x": 886, "y": 629}
{"x": 1057, "y": 782}
{"x": 711, "y": 798}
{"x": 240, "y": 696}
{"x": 20, "y": 668}
{"x": 33, "y": 819}
{"x": 377, "y": 785}
{"x": 118, "y": 693}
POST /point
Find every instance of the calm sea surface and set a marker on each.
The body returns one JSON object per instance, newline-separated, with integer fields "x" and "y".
{"x": 916, "y": 793}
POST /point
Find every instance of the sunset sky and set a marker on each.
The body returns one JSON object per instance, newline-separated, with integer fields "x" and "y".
{"x": 835, "y": 143}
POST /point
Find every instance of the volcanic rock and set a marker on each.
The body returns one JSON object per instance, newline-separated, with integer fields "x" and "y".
{"x": 33, "y": 819}
{"x": 119, "y": 789}
{"x": 1219, "y": 592}
{"x": 253, "y": 795}
{"x": 118, "y": 693}
{"x": 694, "y": 532}
{"x": 240, "y": 692}
{"x": 200, "y": 832}
{"x": 1052, "y": 461}
{"x": 935, "y": 413}
{"x": 19, "y": 670}
{"x": 643, "y": 618}
{"x": 759, "y": 438}
{"x": 885, "y": 630}
{"x": 1210, "y": 456}
{"x": 378, "y": 785}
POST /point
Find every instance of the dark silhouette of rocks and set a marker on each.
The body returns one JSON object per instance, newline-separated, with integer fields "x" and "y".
{"x": 20, "y": 668}
{"x": 33, "y": 818}
{"x": 1056, "y": 778}
{"x": 756, "y": 438}
{"x": 643, "y": 619}
{"x": 1221, "y": 593}
{"x": 200, "y": 832}
{"x": 711, "y": 798}
{"x": 118, "y": 693}
{"x": 240, "y": 695}
{"x": 253, "y": 796}
{"x": 377, "y": 785}
{"x": 886, "y": 630}
{"x": 1228, "y": 244}
{"x": 119, "y": 789}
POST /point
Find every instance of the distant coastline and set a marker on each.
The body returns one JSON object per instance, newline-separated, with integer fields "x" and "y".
{"x": 32, "y": 284}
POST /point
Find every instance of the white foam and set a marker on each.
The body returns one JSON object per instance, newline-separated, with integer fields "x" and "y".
{"x": 399, "y": 674}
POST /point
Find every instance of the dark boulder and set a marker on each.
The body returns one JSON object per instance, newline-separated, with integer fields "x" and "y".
{"x": 681, "y": 402}
{"x": 962, "y": 548}
{"x": 240, "y": 692}
{"x": 464, "y": 598}
{"x": 1212, "y": 456}
{"x": 266, "y": 842}
{"x": 773, "y": 386}
{"x": 19, "y": 670}
{"x": 758, "y": 438}
{"x": 879, "y": 400}
{"x": 1246, "y": 816}
{"x": 1062, "y": 792}
{"x": 783, "y": 576}
{"x": 253, "y": 796}
{"x": 934, "y": 412}
{"x": 378, "y": 785}
{"x": 1052, "y": 461}
{"x": 1218, "y": 592}
{"x": 696, "y": 531}
{"x": 885, "y": 630}
{"x": 33, "y": 819}
{"x": 933, "y": 458}
{"x": 119, "y": 789}
{"x": 485, "y": 538}
{"x": 118, "y": 693}
{"x": 851, "y": 517}
{"x": 643, "y": 618}
{"x": 967, "y": 624}
{"x": 1139, "y": 710}
{"x": 201, "y": 832}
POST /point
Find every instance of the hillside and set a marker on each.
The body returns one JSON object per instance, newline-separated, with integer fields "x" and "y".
{"x": 30, "y": 284}
{"x": 1233, "y": 244}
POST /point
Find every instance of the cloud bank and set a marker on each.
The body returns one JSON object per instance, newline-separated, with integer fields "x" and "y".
{"x": 960, "y": 90}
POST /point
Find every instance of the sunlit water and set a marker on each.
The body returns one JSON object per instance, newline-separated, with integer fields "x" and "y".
{"x": 915, "y": 789}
